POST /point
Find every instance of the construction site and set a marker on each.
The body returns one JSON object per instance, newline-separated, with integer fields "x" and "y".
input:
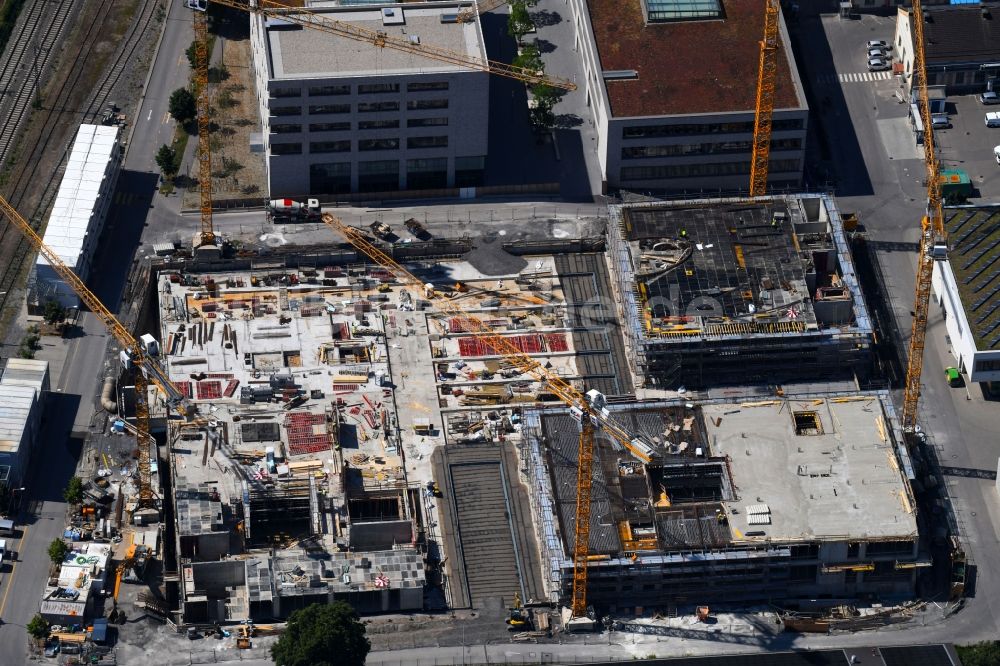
{"x": 802, "y": 503}
{"x": 734, "y": 291}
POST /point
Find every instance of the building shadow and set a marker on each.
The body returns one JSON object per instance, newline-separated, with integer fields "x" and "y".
{"x": 120, "y": 239}
{"x": 841, "y": 161}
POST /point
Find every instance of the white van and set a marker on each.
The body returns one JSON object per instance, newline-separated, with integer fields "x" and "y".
{"x": 6, "y": 527}
{"x": 993, "y": 119}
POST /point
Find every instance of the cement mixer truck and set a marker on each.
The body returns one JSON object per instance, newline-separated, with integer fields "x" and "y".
{"x": 281, "y": 211}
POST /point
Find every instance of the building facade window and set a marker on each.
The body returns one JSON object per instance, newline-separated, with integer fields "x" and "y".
{"x": 286, "y": 110}
{"x": 375, "y": 88}
{"x": 420, "y": 86}
{"x": 317, "y": 147}
{"x": 329, "y": 127}
{"x": 330, "y": 178}
{"x": 665, "y": 171}
{"x": 427, "y": 142}
{"x": 427, "y": 174}
{"x": 695, "y": 129}
{"x": 379, "y": 175}
{"x": 328, "y": 109}
{"x": 375, "y": 107}
{"x": 286, "y": 92}
{"x": 470, "y": 171}
{"x": 285, "y": 128}
{"x": 716, "y": 148}
{"x": 987, "y": 366}
{"x": 378, "y": 144}
{"x": 325, "y": 91}
{"x": 422, "y": 104}
{"x": 286, "y": 148}
{"x": 426, "y": 122}
{"x": 378, "y": 124}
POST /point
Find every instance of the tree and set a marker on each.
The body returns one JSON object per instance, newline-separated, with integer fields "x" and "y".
{"x": 37, "y": 627}
{"x": 53, "y": 313}
{"x": 57, "y": 551}
{"x": 530, "y": 59}
{"x": 74, "y": 490}
{"x": 182, "y": 105}
{"x": 545, "y": 98}
{"x": 518, "y": 22}
{"x": 166, "y": 159}
{"x": 986, "y": 653}
{"x": 322, "y": 635}
{"x": 192, "y": 54}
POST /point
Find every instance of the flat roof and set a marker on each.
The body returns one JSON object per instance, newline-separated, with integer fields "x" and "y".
{"x": 839, "y": 481}
{"x": 686, "y": 66}
{"x": 73, "y": 211}
{"x": 16, "y": 403}
{"x": 25, "y": 372}
{"x": 836, "y": 481}
{"x": 298, "y": 52}
{"x": 974, "y": 258}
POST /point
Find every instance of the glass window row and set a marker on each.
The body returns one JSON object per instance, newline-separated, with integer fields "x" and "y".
{"x": 295, "y": 128}
{"x": 363, "y": 107}
{"x": 364, "y": 145}
{"x": 695, "y": 129}
{"x": 280, "y": 92}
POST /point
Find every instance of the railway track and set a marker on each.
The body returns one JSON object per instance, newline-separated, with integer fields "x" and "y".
{"x": 14, "y": 55}
{"x": 57, "y": 109}
{"x": 25, "y": 54}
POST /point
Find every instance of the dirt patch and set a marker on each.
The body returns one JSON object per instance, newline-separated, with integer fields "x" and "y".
{"x": 237, "y": 173}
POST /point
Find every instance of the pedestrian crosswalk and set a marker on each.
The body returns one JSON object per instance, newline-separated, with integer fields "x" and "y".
{"x": 854, "y": 77}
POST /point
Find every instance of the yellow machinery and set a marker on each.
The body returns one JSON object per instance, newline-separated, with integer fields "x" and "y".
{"x": 128, "y": 561}
{"x": 319, "y": 21}
{"x": 587, "y": 408}
{"x": 147, "y": 369}
{"x": 766, "y": 80}
{"x": 933, "y": 237}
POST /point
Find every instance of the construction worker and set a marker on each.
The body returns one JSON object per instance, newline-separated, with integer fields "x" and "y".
{"x": 684, "y": 233}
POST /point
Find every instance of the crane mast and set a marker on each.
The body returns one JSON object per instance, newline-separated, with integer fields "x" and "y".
{"x": 206, "y": 237}
{"x": 319, "y": 21}
{"x": 932, "y": 231}
{"x": 146, "y": 369}
{"x": 766, "y": 80}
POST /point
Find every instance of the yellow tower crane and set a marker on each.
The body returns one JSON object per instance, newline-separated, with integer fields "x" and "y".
{"x": 206, "y": 237}
{"x": 380, "y": 39}
{"x": 933, "y": 236}
{"x": 146, "y": 368}
{"x": 588, "y": 408}
{"x": 767, "y": 75}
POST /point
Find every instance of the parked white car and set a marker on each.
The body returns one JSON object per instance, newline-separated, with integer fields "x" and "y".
{"x": 993, "y": 119}
{"x": 989, "y": 97}
{"x": 996, "y": 153}
{"x": 877, "y": 44}
{"x": 877, "y": 65}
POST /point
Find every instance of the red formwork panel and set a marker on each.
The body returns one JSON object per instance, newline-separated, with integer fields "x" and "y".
{"x": 526, "y": 344}
{"x": 556, "y": 342}
{"x": 209, "y": 390}
{"x": 231, "y": 388}
{"x": 185, "y": 388}
{"x": 303, "y": 435}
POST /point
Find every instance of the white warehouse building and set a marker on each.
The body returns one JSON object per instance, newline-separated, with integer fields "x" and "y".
{"x": 967, "y": 287}
{"x": 78, "y": 214}
{"x": 342, "y": 116}
{"x": 22, "y": 391}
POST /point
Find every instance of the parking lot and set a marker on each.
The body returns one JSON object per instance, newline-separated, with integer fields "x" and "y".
{"x": 968, "y": 144}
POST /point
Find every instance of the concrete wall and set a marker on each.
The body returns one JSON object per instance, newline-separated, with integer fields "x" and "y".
{"x": 381, "y": 535}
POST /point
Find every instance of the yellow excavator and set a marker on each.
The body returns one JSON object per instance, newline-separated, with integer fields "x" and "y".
{"x": 518, "y": 619}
